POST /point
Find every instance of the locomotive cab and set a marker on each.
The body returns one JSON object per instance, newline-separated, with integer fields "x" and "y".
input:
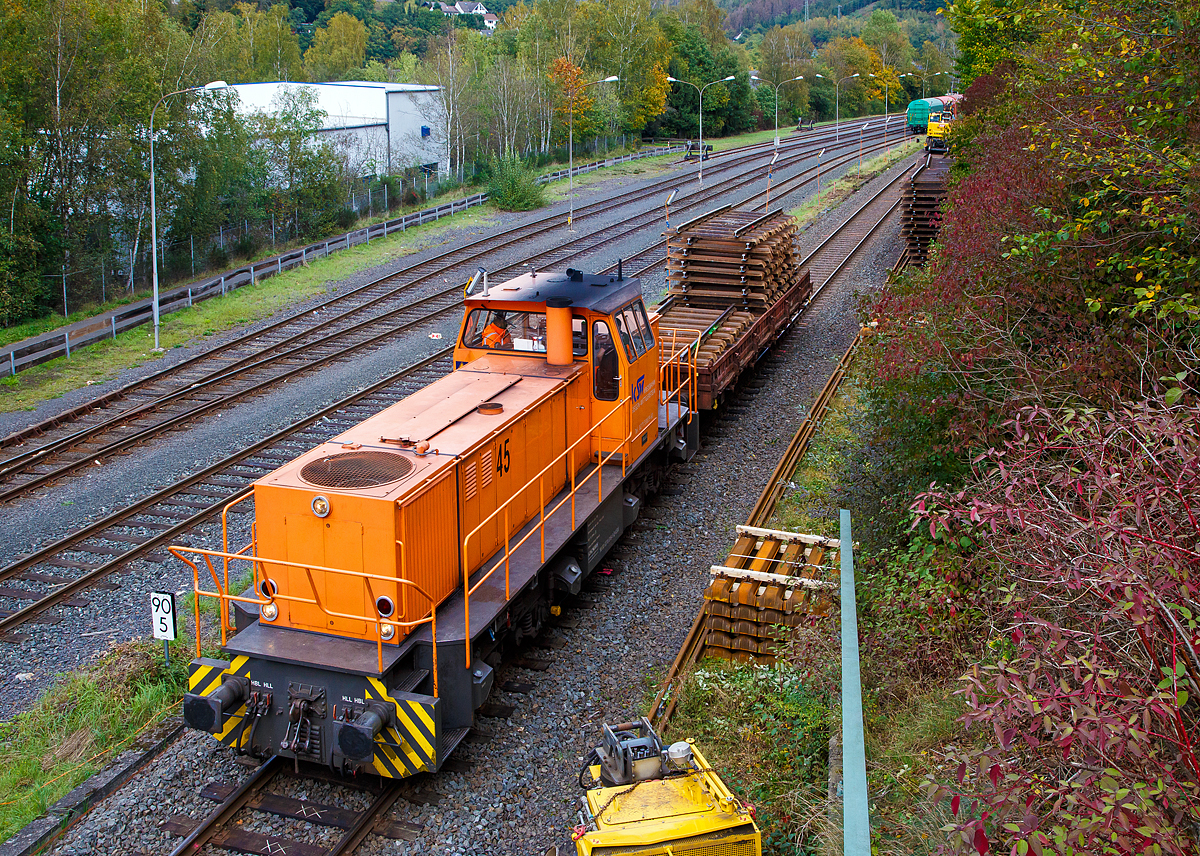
{"x": 392, "y": 562}
{"x": 596, "y": 322}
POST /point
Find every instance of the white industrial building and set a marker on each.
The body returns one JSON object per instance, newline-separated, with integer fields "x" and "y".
{"x": 383, "y": 128}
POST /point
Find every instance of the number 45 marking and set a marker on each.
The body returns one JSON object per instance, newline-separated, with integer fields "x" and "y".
{"x": 502, "y": 458}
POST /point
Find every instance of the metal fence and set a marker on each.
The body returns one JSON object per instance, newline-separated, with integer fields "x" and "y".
{"x": 60, "y": 343}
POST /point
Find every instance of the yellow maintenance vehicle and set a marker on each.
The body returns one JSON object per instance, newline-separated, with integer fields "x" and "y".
{"x": 937, "y": 137}
{"x": 646, "y": 799}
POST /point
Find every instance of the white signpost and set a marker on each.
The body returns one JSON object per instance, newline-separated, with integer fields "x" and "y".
{"x": 162, "y": 618}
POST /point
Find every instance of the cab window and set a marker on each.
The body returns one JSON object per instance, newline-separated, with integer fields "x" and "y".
{"x": 639, "y": 314}
{"x": 626, "y": 341}
{"x": 579, "y": 337}
{"x": 606, "y": 367}
{"x": 501, "y": 330}
{"x": 635, "y": 334}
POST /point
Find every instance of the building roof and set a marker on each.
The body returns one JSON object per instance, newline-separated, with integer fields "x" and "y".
{"x": 347, "y": 103}
{"x": 601, "y": 293}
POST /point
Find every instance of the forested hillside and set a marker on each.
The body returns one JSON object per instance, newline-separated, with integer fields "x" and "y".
{"x": 756, "y": 16}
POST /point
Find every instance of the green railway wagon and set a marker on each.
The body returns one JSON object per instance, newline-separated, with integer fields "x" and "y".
{"x": 918, "y": 113}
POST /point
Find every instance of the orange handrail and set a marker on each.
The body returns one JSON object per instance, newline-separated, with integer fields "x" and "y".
{"x": 677, "y": 373}
{"x": 670, "y": 363}
{"x": 225, "y": 544}
{"x": 625, "y": 408}
{"x": 509, "y": 547}
{"x": 226, "y": 598}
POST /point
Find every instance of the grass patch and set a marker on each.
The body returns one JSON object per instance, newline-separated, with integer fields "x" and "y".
{"x": 646, "y": 168}
{"x": 84, "y": 721}
{"x": 810, "y": 504}
{"x": 101, "y": 362}
{"x": 833, "y": 195}
{"x": 766, "y": 733}
{"x": 904, "y": 746}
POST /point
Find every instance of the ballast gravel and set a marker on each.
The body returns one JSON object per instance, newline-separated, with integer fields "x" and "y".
{"x": 519, "y": 795}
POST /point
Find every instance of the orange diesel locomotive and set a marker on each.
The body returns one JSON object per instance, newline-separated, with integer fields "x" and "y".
{"x": 392, "y": 561}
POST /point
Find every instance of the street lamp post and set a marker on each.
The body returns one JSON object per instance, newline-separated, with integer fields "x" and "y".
{"x": 701, "y": 89}
{"x": 837, "y": 107}
{"x": 776, "y": 87}
{"x": 571, "y": 144}
{"x": 925, "y": 79}
{"x": 210, "y": 87}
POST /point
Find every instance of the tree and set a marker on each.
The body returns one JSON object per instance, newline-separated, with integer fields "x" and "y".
{"x": 991, "y": 31}
{"x": 338, "y": 49}
{"x": 307, "y": 177}
{"x": 707, "y": 18}
{"x": 885, "y": 35}
{"x": 785, "y": 53}
{"x": 574, "y": 102}
{"x": 626, "y": 41}
{"x": 843, "y": 58}
{"x": 251, "y": 44}
{"x": 445, "y": 66}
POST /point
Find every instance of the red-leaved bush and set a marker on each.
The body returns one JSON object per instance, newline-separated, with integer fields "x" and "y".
{"x": 1089, "y": 699}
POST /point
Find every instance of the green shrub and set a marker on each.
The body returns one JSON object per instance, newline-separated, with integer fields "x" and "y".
{"x": 514, "y": 187}
{"x": 766, "y": 733}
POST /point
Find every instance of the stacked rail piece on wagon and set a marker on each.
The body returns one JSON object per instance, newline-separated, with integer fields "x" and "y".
{"x": 922, "y": 209}
{"x": 733, "y": 279}
{"x": 772, "y": 583}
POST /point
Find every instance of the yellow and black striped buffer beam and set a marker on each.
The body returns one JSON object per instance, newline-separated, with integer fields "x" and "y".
{"x": 413, "y": 743}
{"x": 205, "y": 675}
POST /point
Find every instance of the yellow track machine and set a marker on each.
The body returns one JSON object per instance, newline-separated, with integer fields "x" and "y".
{"x": 646, "y": 799}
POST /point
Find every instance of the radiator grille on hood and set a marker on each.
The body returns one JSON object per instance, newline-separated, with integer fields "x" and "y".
{"x": 356, "y": 469}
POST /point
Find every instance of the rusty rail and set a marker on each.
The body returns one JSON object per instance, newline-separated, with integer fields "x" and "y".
{"x": 664, "y": 702}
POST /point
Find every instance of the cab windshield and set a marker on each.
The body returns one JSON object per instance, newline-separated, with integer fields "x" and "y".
{"x": 503, "y": 330}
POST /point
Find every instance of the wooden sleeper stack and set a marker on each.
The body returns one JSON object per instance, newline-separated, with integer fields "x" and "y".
{"x": 729, "y": 255}
{"x": 922, "y": 209}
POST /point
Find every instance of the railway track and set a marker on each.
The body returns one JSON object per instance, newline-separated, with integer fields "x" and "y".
{"x": 58, "y": 573}
{"x": 225, "y": 357}
{"x": 655, "y": 257}
{"x": 330, "y": 829}
{"x": 825, "y": 261}
{"x": 396, "y": 305}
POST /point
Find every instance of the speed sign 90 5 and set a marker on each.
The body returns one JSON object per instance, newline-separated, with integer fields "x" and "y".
{"x": 162, "y": 614}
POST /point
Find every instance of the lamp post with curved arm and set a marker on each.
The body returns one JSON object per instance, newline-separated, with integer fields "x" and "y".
{"x": 701, "y": 89}
{"x": 574, "y": 93}
{"x": 209, "y": 87}
{"x": 776, "y": 87}
{"x": 837, "y": 107}
{"x": 925, "y": 79}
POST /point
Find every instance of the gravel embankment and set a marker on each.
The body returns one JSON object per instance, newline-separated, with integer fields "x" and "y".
{"x": 520, "y": 795}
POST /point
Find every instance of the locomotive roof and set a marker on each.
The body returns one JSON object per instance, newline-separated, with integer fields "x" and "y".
{"x": 601, "y": 293}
